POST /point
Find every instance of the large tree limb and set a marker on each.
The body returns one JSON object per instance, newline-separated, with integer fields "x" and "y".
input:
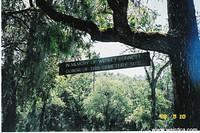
{"x": 152, "y": 41}
{"x": 119, "y": 8}
{"x": 147, "y": 41}
{"x": 82, "y": 25}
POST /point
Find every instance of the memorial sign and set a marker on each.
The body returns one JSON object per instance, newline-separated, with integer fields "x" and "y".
{"x": 109, "y": 63}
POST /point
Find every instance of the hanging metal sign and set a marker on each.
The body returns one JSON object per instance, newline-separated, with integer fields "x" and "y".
{"x": 101, "y": 64}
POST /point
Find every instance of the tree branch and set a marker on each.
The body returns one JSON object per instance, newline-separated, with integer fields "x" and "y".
{"x": 82, "y": 25}
{"x": 119, "y": 8}
{"x": 18, "y": 12}
{"x": 146, "y": 41}
{"x": 148, "y": 76}
{"x": 87, "y": 26}
{"x": 161, "y": 69}
{"x": 152, "y": 41}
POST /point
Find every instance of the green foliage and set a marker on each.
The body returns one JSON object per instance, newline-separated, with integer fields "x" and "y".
{"x": 107, "y": 103}
{"x": 123, "y": 102}
{"x": 139, "y": 95}
{"x": 33, "y": 46}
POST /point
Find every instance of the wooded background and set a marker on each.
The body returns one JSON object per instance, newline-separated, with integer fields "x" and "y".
{"x": 37, "y": 35}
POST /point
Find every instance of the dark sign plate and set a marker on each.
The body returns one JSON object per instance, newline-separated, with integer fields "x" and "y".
{"x": 109, "y": 63}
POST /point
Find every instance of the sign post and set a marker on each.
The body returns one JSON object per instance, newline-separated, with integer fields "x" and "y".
{"x": 109, "y": 63}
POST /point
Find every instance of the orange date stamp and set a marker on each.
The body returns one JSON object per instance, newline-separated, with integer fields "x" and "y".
{"x": 174, "y": 116}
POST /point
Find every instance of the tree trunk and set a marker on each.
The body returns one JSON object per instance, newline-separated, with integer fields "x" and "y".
{"x": 107, "y": 117}
{"x": 42, "y": 114}
{"x": 186, "y": 89}
{"x": 153, "y": 107}
{"x": 96, "y": 125}
{"x": 41, "y": 127}
{"x": 8, "y": 93}
{"x": 185, "y": 59}
{"x": 107, "y": 125}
